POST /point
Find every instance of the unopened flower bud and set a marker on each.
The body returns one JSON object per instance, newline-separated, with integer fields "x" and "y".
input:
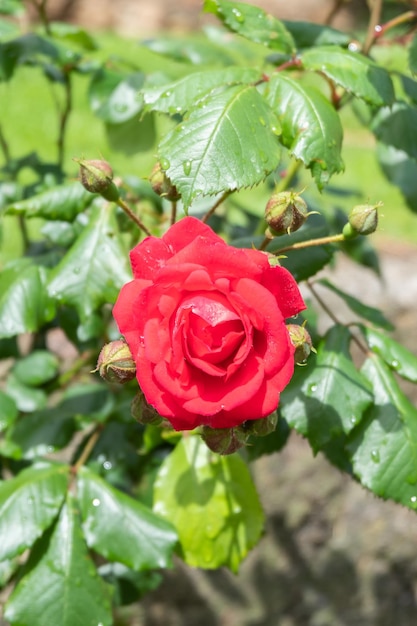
{"x": 363, "y": 218}
{"x": 162, "y": 185}
{"x": 97, "y": 177}
{"x": 224, "y": 440}
{"x": 263, "y": 426}
{"x": 285, "y": 212}
{"x": 115, "y": 362}
{"x": 301, "y": 340}
{"x": 143, "y": 412}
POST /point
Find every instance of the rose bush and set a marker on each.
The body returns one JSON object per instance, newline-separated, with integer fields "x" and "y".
{"x": 205, "y": 323}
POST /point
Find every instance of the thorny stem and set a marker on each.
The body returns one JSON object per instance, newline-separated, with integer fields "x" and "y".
{"x": 122, "y": 204}
{"x": 210, "y": 212}
{"x": 408, "y": 16}
{"x": 87, "y": 449}
{"x": 332, "y": 316}
{"x": 374, "y": 20}
{"x": 173, "y": 211}
{"x": 320, "y": 241}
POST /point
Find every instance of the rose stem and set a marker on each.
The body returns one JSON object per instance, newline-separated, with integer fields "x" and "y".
{"x": 373, "y": 23}
{"x": 173, "y": 211}
{"x": 330, "y": 313}
{"x": 311, "y": 242}
{"x": 88, "y": 448}
{"x": 210, "y": 212}
{"x": 122, "y": 204}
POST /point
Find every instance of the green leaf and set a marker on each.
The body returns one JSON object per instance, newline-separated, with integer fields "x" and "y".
{"x": 8, "y": 411}
{"x": 309, "y": 34}
{"x": 24, "y": 302}
{"x": 384, "y": 447}
{"x": 227, "y": 142}
{"x": 369, "y": 313}
{"x": 28, "y": 505}
{"x": 133, "y": 136}
{"x": 114, "y": 97}
{"x": 396, "y": 356}
{"x": 25, "y": 49}
{"x": 327, "y": 397}
{"x": 72, "y": 34}
{"x": 59, "y": 203}
{"x": 95, "y": 267}
{"x": 195, "y": 51}
{"x": 180, "y": 95}
{"x": 397, "y": 126}
{"x": 252, "y": 23}
{"x": 147, "y": 541}
{"x": 27, "y": 398}
{"x": 401, "y": 170}
{"x": 129, "y": 586}
{"x": 311, "y": 128}
{"x": 412, "y": 58}
{"x": 61, "y": 586}
{"x": 40, "y": 433}
{"x": 352, "y": 71}
{"x": 37, "y": 368}
{"x": 212, "y": 502}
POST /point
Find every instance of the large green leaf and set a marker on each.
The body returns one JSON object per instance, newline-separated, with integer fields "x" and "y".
{"x": 180, "y": 95}
{"x": 25, "y": 49}
{"x": 401, "y": 170}
{"x": 8, "y": 411}
{"x": 36, "y": 368}
{"x": 395, "y": 355}
{"x": 228, "y": 142}
{"x": 95, "y": 267}
{"x": 212, "y": 502}
{"x": 61, "y": 586}
{"x": 24, "y": 302}
{"x": 59, "y": 203}
{"x": 370, "y": 313}
{"x": 114, "y": 97}
{"x": 253, "y": 23}
{"x": 307, "y": 34}
{"x": 397, "y": 126}
{"x": 352, "y": 71}
{"x": 28, "y": 505}
{"x": 122, "y": 529}
{"x": 311, "y": 128}
{"x": 384, "y": 447}
{"x": 328, "y": 396}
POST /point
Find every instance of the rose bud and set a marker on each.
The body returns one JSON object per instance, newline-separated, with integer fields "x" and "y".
{"x": 143, "y": 412}
{"x": 285, "y": 212}
{"x": 263, "y": 426}
{"x": 162, "y": 185}
{"x": 224, "y": 440}
{"x": 115, "y": 363}
{"x": 363, "y": 218}
{"x": 301, "y": 340}
{"x": 97, "y": 177}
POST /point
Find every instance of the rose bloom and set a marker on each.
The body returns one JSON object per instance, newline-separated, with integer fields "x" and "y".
{"x": 205, "y": 323}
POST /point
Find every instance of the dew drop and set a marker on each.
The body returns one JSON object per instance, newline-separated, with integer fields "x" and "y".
{"x": 353, "y": 420}
{"x": 312, "y": 388}
{"x": 413, "y": 501}
{"x": 353, "y": 46}
{"x": 165, "y": 164}
{"x": 412, "y": 479}
{"x": 166, "y": 94}
{"x": 262, "y": 121}
{"x": 76, "y": 270}
{"x": 96, "y": 502}
{"x": 275, "y": 130}
{"x": 107, "y": 465}
{"x": 378, "y": 28}
{"x": 375, "y": 456}
{"x": 395, "y": 364}
{"x": 238, "y": 15}
{"x": 186, "y": 166}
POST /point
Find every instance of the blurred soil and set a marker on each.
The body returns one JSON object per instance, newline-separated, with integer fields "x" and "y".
{"x": 332, "y": 553}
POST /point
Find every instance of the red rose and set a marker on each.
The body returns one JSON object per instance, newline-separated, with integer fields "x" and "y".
{"x": 205, "y": 324}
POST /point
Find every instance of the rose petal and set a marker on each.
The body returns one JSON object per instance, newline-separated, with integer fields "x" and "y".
{"x": 281, "y": 283}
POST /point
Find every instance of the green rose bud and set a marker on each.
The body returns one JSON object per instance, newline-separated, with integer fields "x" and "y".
{"x": 363, "y": 219}
{"x": 97, "y": 177}
{"x": 115, "y": 363}
{"x": 143, "y": 412}
{"x": 261, "y": 427}
{"x": 224, "y": 440}
{"x": 162, "y": 185}
{"x": 285, "y": 212}
{"x": 301, "y": 340}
